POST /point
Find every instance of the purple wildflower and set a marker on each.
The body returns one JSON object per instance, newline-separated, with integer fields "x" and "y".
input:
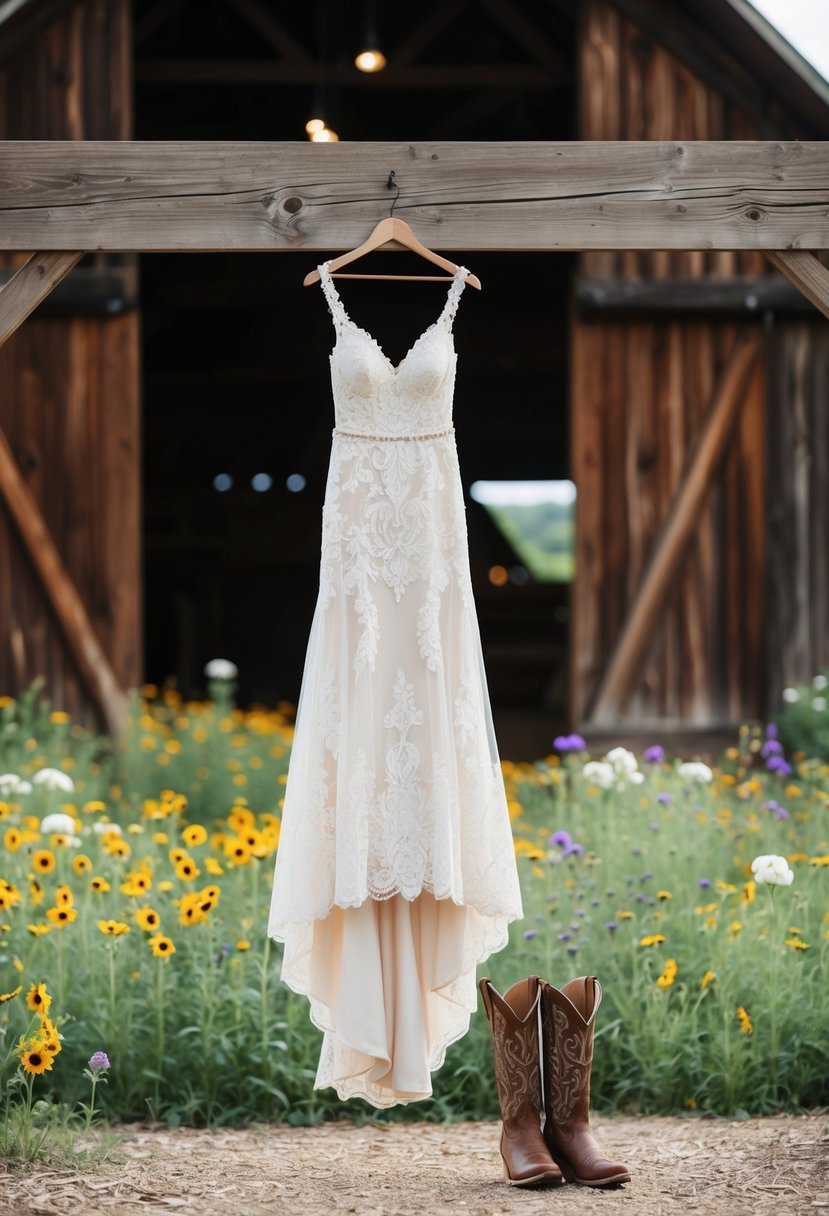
{"x": 771, "y": 730}
{"x": 572, "y": 949}
{"x": 776, "y": 764}
{"x": 655, "y": 753}
{"x": 569, "y": 743}
{"x": 562, "y": 838}
{"x": 704, "y": 882}
{"x": 664, "y": 797}
{"x": 771, "y": 747}
{"x": 572, "y": 847}
{"x": 99, "y": 1062}
{"x": 611, "y": 926}
{"x": 564, "y": 937}
{"x": 780, "y": 811}
{"x": 528, "y": 933}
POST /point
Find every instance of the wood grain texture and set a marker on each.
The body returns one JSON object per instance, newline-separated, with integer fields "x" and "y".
{"x": 542, "y": 196}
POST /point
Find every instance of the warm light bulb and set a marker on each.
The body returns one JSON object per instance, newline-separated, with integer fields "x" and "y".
{"x": 370, "y": 61}
{"x": 325, "y": 136}
{"x": 314, "y": 124}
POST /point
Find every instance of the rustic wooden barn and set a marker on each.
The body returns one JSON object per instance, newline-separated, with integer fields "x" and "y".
{"x": 680, "y": 389}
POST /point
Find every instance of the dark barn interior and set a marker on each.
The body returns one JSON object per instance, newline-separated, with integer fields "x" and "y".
{"x": 235, "y": 352}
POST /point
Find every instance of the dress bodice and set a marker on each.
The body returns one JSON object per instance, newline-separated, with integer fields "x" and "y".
{"x": 371, "y": 395}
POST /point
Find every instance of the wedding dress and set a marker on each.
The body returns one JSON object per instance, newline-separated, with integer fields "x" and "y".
{"x": 395, "y": 873}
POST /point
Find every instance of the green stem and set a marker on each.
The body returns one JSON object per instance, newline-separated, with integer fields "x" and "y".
{"x": 263, "y": 1007}
{"x": 159, "y": 1010}
{"x": 774, "y": 1020}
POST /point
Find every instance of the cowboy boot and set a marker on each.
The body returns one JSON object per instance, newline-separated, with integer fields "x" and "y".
{"x": 513, "y": 1019}
{"x": 567, "y": 1023}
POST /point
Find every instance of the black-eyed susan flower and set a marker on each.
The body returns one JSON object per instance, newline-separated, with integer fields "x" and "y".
{"x": 38, "y": 999}
{"x": 745, "y": 1021}
{"x": 113, "y": 928}
{"x": 652, "y": 939}
{"x": 35, "y": 1060}
{"x": 194, "y": 834}
{"x": 98, "y": 883}
{"x": 12, "y": 839}
{"x": 38, "y": 930}
{"x": 707, "y": 979}
{"x": 244, "y": 944}
{"x": 237, "y": 851}
{"x": 63, "y": 896}
{"x": 43, "y": 861}
{"x": 664, "y": 895}
{"x": 187, "y": 870}
{"x": 81, "y": 864}
{"x": 796, "y": 943}
{"x": 161, "y": 945}
{"x": 212, "y": 866}
{"x": 61, "y": 916}
{"x": 8, "y": 996}
{"x": 147, "y": 918}
{"x": 668, "y": 974}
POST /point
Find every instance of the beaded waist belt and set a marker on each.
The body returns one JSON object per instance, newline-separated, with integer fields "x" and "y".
{"x": 362, "y": 435}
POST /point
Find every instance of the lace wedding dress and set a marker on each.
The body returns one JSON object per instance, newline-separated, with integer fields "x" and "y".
{"x": 395, "y": 873}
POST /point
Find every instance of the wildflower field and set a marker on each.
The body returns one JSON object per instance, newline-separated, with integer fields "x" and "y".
{"x": 135, "y": 880}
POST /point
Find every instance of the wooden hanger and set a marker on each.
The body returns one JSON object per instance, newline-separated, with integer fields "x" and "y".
{"x": 392, "y": 229}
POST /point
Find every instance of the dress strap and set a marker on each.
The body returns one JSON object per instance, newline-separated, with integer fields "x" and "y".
{"x": 454, "y": 295}
{"x": 335, "y": 304}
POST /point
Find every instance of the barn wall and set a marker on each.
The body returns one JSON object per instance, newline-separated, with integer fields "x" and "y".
{"x": 69, "y": 401}
{"x": 640, "y": 391}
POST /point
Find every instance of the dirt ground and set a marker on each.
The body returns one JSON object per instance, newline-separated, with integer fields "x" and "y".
{"x": 777, "y": 1165}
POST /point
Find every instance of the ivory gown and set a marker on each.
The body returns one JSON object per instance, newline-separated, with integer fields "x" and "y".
{"x": 395, "y": 873}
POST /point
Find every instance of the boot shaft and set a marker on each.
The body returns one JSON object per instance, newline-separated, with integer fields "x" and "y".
{"x": 514, "y": 1020}
{"x": 568, "y": 1018}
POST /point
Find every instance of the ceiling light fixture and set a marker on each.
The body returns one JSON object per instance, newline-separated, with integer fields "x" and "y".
{"x": 371, "y": 58}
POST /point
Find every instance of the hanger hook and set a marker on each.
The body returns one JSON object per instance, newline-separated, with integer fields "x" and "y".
{"x": 393, "y": 182}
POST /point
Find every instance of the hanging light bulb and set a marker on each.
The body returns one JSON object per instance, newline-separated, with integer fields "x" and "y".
{"x": 324, "y": 136}
{"x": 371, "y": 58}
{"x": 313, "y": 125}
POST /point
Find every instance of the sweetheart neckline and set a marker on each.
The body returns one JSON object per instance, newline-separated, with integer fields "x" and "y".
{"x": 394, "y": 368}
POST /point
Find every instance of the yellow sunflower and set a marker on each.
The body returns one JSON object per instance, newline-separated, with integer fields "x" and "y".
{"x": 62, "y": 916}
{"x": 147, "y": 918}
{"x": 36, "y": 1061}
{"x": 43, "y": 860}
{"x": 7, "y": 996}
{"x": 38, "y": 999}
{"x": 161, "y": 945}
{"x": 113, "y": 928}
{"x": 194, "y": 834}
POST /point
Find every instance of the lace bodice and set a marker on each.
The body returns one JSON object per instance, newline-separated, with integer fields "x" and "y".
{"x": 371, "y": 395}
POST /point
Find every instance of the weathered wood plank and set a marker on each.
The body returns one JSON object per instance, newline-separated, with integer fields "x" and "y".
{"x": 747, "y": 294}
{"x": 671, "y": 545}
{"x": 532, "y": 196}
{"x": 67, "y": 603}
{"x": 807, "y": 273}
{"x": 29, "y": 285}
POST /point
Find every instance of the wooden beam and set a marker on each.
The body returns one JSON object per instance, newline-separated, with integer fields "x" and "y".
{"x": 808, "y": 274}
{"x": 31, "y": 284}
{"x": 530, "y": 196}
{"x": 750, "y": 294}
{"x": 66, "y": 602}
{"x": 670, "y": 545}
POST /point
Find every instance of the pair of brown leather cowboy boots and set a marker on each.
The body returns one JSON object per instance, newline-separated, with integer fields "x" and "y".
{"x": 542, "y": 1070}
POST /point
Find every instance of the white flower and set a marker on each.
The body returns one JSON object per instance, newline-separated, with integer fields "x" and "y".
{"x": 695, "y": 770}
{"x": 773, "y": 869}
{"x": 601, "y": 773}
{"x": 100, "y": 827}
{"x": 53, "y": 779}
{"x": 622, "y": 760}
{"x": 818, "y": 702}
{"x": 10, "y": 783}
{"x": 58, "y": 822}
{"x": 820, "y": 682}
{"x": 220, "y": 669}
{"x": 791, "y": 694}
